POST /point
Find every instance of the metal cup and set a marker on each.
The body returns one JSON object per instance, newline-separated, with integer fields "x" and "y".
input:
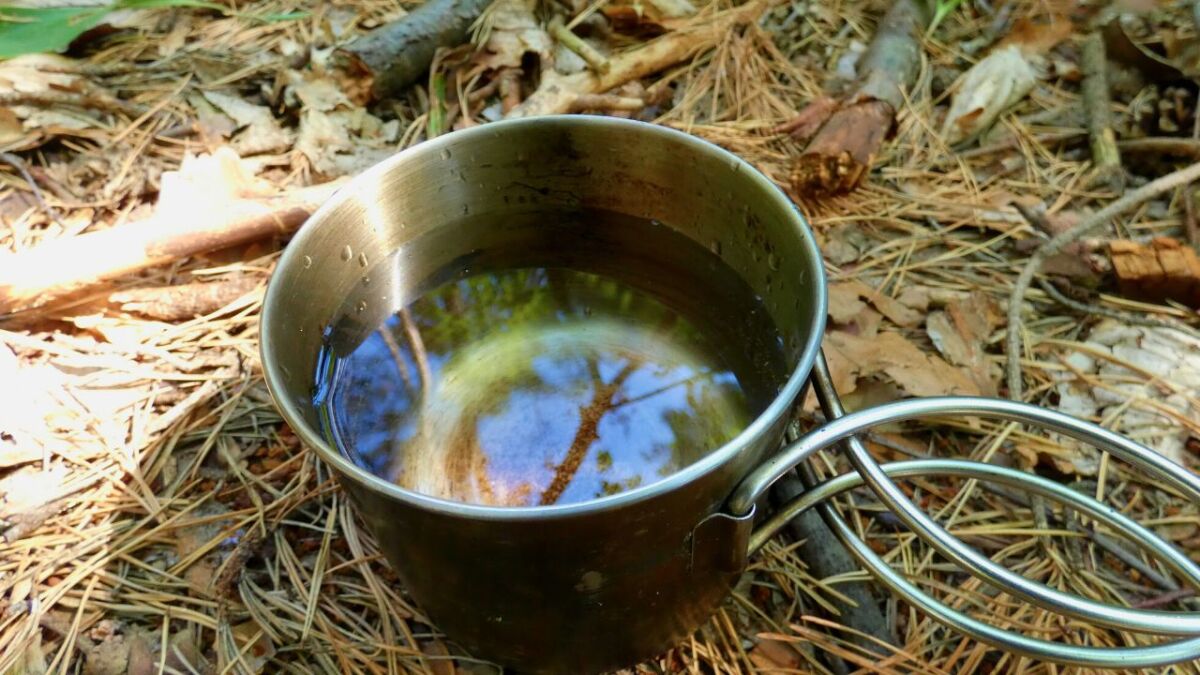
{"x": 574, "y": 588}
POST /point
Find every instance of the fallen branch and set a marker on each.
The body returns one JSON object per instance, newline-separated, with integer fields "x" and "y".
{"x": 34, "y": 277}
{"x": 1148, "y": 191}
{"x": 557, "y": 93}
{"x": 1097, "y": 104}
{"x": 841, "y": 152}
{"x": 397, "y": 54}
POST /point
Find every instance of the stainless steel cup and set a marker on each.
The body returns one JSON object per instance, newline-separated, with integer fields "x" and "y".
{"x": 574, "y": 588}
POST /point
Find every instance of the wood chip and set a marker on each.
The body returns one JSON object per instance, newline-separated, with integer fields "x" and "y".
{"x": 1164, "y": 269}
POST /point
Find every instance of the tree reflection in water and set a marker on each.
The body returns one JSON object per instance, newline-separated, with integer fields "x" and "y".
{"x": 534, "y": 386}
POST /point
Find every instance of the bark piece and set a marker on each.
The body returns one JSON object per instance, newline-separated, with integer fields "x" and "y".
{"x": 842, "y": 151}
{"x": 1164, "y": 269}
{"x": 397, "y": 54}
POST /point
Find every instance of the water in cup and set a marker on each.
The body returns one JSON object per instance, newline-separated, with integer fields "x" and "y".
{"x": 524, "y": 377}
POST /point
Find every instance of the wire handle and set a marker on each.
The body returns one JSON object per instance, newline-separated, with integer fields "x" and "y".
{"x": 841, "y": 428}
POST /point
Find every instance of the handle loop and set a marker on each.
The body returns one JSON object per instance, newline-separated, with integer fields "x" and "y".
{"x": 842, "y": 428}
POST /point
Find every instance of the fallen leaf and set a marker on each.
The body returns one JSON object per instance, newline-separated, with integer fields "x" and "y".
{"x": 985, "y": 91}
{"x": 514, "y": 32}
{"x": 337, "y": 136}
{"x": 440, "y": 663}
{"x": 891, "y": 355}
{"x": 200, "y": 572}
{"x": 959, "y": 333}
{"x": 253, "y": 656}
{"x": 772, "y": 656}
{"x": 844, "y": 304}
{"x": 259, "y": 131}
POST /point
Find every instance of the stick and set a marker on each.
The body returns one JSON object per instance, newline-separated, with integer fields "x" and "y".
{"x": 570, "y": 40}
{"x": 557, "y": 93}
{"x": 1056, "y": 244}
{"x": 1097, "y": 104}
{"x": 34, "y": 277}
{"x": 826, "y": 557}
{"x": 85, "y": 100}
{"x": 397, "y": 54}
{"x": 842, "y": 151}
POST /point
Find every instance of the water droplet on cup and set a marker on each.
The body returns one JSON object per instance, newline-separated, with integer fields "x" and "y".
{"x": 307, "y": 262}
{"x": 715, "y": 247}
{"x": 347, "y": 253}
{"x": 362, "y": 259}
{"x": 362, "y": 306}
{"x": 446, "y": 154}
{"x": 773, "y": 261}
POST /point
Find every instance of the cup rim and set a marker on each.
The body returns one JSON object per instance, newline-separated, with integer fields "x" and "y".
{"x": 780, "y": 406}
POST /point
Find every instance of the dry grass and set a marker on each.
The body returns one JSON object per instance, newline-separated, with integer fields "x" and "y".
{"x": 183, "y": 528}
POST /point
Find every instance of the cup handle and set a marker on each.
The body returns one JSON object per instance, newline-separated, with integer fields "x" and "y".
{"x": 842, "y": 428}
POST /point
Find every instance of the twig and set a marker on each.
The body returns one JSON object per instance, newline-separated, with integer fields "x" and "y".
{"x": 1097, "y": 104}
{"x": 1166, "y": 598}
{"x": 1124, "y": 317}
{"x": 1178, "y": 147}
{"x": 826, "y": 557}
{"x": 19, "y": 164}
{"x": 607, "y": 102}
{"x": 397, "y": 54}
{"x": 87, "y": 100}
{"x": 556, "y": 93}
{"x": 570, "y": 40}
{"x": 1056, "y": 244}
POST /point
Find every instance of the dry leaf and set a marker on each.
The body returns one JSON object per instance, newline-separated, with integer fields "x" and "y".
{"x": 259, "y": 131}
{"x": 336, "y": 136}
{"x": 440, "y": 664}
{"x": 515, "y": 32}
{"x": 773, "y": 656}
{"x": 254, "y": 656}
{"x": 960, "y": 332}
{"x": 985, "y": 91}
{"x": 844, "y": 304}
{"x": 853, "y": 357}
{"x": 199, "y": 574}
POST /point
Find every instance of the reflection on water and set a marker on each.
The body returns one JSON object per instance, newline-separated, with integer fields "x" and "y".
{"x": 533, "y": 386}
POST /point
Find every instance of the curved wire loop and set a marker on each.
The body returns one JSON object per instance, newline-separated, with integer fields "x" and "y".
{"x": 842, "y": 428}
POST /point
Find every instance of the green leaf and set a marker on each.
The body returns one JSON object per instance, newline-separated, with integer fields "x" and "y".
{"x": 155, "y": 4}
{"x": 27, "y": 30}
{"x": 276, "y": 17}
{"x": 30, "y": 30}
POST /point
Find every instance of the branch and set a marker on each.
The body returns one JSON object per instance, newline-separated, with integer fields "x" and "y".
{"x": 34, "y": 277}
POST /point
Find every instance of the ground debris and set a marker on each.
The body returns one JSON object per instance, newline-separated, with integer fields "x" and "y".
{"x": 1164, "y": 269}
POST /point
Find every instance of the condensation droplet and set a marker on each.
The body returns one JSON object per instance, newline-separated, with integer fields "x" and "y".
{"x": 362, "y": 306}
{"x": 715, "y": 247}
{"x": 773, "y": 261}
{"x": 446, "y": 154}
{"x": 307, "y": 262}
{"x": 347, "y": 253}
{"x": 362, "y": 259}
{"x": 366, "y": 281}
{"x": 466, "y": 209}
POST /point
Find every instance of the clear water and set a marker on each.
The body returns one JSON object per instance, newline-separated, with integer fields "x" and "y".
{"x": 524, "y": 385}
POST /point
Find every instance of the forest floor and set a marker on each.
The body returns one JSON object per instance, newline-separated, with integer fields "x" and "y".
{"x": 156, "y": 513}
